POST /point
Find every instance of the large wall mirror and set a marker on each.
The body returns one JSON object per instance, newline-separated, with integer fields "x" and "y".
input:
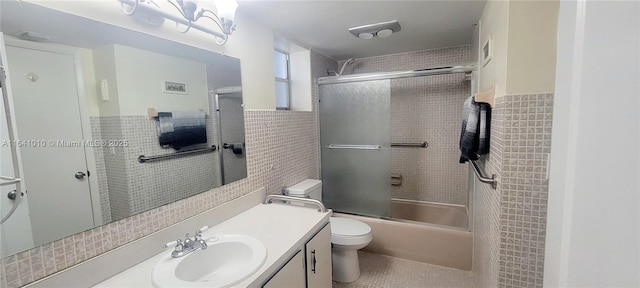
{"x": 112, "y": 123}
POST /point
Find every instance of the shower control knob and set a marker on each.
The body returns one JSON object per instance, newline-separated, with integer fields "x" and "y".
{"x": 80, "y": 175}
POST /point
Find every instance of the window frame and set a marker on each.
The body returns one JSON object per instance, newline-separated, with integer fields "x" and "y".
{"x": 283, "y": 80}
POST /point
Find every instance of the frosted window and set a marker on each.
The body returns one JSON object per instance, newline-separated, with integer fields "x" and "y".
{"x": 281, "y": 64}
{"x": 282, "y": 95}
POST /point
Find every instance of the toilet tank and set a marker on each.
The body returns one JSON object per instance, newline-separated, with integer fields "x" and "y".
{"x": 310, "y": 188}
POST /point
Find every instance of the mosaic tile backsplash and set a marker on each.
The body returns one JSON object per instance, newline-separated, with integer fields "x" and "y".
{"x": 282, "y": 149}
{"x": 425, "y": 109}
{"x": 510, "y": 222}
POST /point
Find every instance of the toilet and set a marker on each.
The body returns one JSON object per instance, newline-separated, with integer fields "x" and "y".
{"x": 347, "y": 235}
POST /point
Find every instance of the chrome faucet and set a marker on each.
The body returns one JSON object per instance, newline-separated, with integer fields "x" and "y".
{"x": 182, "y": 248}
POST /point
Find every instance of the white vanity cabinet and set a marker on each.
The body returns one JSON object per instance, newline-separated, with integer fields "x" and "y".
{"x": 310, "y": 267}
{"x": 298, "y": 254}
{"x": 318, "y": 251}
{"x": 290, "y": 275}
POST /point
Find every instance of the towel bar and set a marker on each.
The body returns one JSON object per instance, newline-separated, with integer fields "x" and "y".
{"x": 358, "y": 147}
{"x": 269, "y": 199}
{"x": 144, "y": 159}
{"x": 482, "y": 178}
{"x": 418, "y": 145}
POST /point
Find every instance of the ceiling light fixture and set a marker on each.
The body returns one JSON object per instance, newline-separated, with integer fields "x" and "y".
{"x": 189, "y": 15}
{"x": 383, "y": 29}
{"x": 384, "y": 33}
{"x": 365, "y": 35}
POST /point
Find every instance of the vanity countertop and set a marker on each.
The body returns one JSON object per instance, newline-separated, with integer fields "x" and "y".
{"x": 281, "y": 228}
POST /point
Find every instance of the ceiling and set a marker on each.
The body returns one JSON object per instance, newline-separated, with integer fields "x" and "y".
{"x": 323, "y": 25}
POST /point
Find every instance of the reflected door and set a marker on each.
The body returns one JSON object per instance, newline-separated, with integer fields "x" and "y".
{"x": 233, "y": 153}
{"x": 355, "y": 136}
{"x": 46, "y": 107}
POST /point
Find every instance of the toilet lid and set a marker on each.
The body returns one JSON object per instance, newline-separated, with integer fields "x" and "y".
{"x": 348, "y": 227}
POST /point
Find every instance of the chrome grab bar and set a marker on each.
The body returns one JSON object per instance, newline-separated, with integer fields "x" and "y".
{"x": 144, "y": 159}
{"x": 269, "y": 199}
{"x": 358, "y": 147}
{"x": 418, "y": 145}
{"x": 482, "y": 178}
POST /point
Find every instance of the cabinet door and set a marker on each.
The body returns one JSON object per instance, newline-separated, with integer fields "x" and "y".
{"x": 291, "y": 275}
{"x": 318, "y": 251}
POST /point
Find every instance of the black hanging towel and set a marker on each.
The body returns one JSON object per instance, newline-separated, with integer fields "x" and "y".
{"x": 474, "y": 138}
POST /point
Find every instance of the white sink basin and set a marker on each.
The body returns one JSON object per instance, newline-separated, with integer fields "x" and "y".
{"x": 228, "y": 260}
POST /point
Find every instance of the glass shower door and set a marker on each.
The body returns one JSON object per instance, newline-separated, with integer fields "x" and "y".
{"x": 355, "y": 136}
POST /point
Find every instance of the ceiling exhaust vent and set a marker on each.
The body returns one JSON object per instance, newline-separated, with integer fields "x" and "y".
{"x": 382, "y": 29}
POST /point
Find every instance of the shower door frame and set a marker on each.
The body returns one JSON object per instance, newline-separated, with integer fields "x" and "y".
{"x": 468, "y": 68}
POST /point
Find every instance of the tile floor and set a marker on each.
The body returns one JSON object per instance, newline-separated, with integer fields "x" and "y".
{"x": 385, "y": 271}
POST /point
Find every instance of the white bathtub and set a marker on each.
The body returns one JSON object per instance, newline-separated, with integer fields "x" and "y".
{"x": 433, "y": 213}
{"x": 445, "y": 241}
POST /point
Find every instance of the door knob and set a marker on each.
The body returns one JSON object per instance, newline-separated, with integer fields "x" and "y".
{"x": 80, "y": 175}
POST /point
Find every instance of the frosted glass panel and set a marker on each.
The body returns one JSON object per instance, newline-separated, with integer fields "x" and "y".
{"x": 282, "y": 94}
{"x": 354, "y": 119}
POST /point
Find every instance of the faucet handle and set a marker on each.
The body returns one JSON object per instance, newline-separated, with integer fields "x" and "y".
{"x": 204, "y": 228}
{"x": 188, "y": 241}
{"x": 199, "y": 232}
{"x": 177, "y": 244}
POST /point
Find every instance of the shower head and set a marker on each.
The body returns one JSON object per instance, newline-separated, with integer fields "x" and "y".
{"x": 349, "y": 61}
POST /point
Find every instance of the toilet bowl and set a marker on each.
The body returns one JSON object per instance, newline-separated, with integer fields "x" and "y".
{"x": 347, "y": 235}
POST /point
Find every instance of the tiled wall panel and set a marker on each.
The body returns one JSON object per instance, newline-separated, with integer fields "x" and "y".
{"x": 429, "y": 109}
{"x": 523, "y": 202}
{"x": 510, "y": 222}
{"x": 410, "y": 60}
{"x": 115, "y": 168}
{"x": 101, "y": 171}
{"x": 160, "y": 182}
{"x": 486, "y": 207}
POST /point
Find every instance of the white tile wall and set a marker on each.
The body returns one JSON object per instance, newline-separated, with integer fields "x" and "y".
{"x": 510, "y": 222}
{"x": 101, "y": 172}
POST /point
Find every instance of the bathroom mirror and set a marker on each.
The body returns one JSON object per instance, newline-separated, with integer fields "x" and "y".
{"x": 112, "y": 123}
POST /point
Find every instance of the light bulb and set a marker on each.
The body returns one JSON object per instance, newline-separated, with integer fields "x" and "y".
{"x": 365, "y": 35}
{"x": 384, "y": 33}
{"x": 226, "y": 10}
{"x": 189, "y": 8}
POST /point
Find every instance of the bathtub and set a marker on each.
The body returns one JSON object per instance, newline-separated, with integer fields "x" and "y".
{"x": 445, "y": 241}
{"x": 452, "y": 216}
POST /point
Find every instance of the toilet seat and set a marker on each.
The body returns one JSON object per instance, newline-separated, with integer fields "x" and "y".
{"x": 346, "y": 231}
